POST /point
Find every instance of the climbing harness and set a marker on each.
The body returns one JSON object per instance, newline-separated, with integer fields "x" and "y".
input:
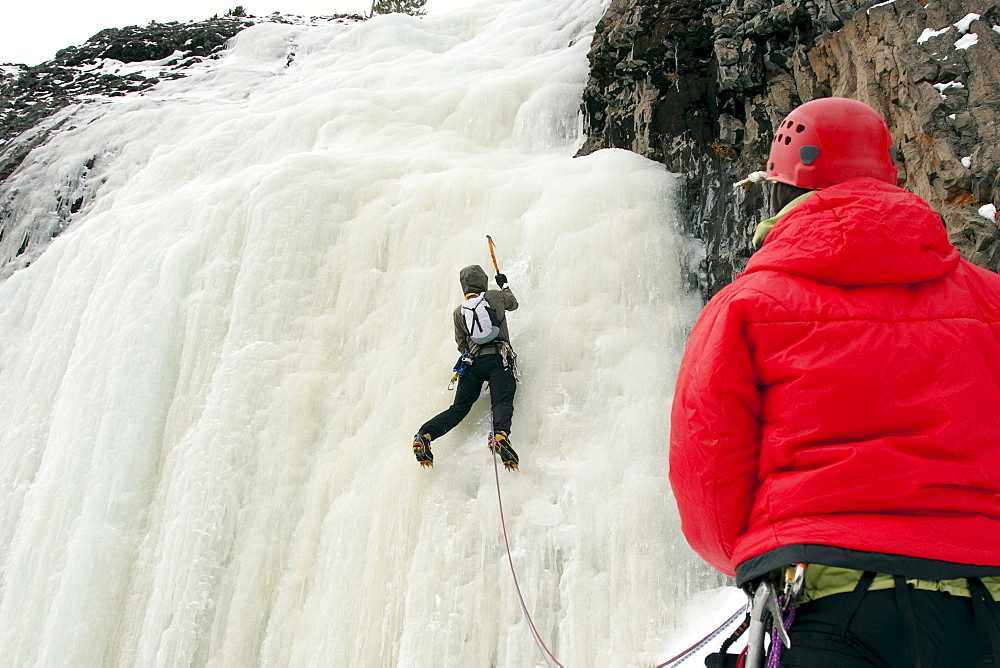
{"x": 461, "y": 366}
{"x": 509, "y": 359}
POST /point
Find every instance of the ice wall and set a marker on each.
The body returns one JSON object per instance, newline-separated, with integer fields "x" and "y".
{"x": 212, "y": 379}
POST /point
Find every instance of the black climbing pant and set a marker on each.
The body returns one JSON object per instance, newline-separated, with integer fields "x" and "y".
{"x": 898, "y": 628}
{"x": 484, "y": 369}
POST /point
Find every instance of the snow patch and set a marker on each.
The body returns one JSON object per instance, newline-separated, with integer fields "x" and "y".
{"x": 752, "y": 178}
{"x": 967, "y": 162}
{"x": 147, "y": 68}
{"x": 969, "y": 40}
{"x": 963, "y": 25}
{"x": 881, "y": 4}
{"x": 988, "y": 211}
{"x": 943, "y": 88}
{"x": 928, "y": 33}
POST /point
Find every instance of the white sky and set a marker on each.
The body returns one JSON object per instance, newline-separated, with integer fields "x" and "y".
{"x": 33, "y": 31}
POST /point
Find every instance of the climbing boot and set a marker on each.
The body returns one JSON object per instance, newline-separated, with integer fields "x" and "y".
{"x": 422, "y": 449}
{"x": 500, "y": 444}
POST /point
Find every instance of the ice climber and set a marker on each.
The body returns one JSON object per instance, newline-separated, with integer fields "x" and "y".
{"x": 491, "y": 362}
{"x": 837, "y": 414}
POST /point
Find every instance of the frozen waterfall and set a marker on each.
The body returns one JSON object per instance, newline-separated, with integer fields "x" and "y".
{"x": 212, "y": 378}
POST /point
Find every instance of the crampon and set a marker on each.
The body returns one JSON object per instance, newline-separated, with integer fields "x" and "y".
{"x": 422, "y": 450}
{"x": 500, "y": 445}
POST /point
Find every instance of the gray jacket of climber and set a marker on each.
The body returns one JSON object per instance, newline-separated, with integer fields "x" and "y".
{"x": 475, "y": 281}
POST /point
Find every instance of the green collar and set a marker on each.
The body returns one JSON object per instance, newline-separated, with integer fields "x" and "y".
{"x": 765, "y": 226}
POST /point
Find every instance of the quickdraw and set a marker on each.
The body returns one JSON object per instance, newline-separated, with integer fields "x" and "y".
{"x": 767, "y": 605}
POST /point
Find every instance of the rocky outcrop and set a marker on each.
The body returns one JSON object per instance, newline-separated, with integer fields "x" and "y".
{"x": 37, "y": 102}
{"x": 30, "y": 94}
{"x": 700, "y": 86}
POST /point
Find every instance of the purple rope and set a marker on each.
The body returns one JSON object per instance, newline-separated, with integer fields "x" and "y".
{"x": 774, "y": 656}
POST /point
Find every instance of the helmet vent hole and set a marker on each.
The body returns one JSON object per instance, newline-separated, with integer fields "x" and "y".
{"x": 808, "y": 154}
{"x": 800, "y": 128}
{"x": 788, "y": 140}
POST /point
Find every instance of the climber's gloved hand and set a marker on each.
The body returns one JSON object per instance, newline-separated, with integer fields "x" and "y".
{"x": 501, "y": 280}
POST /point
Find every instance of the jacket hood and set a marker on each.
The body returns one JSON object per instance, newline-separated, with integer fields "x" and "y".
{"x": 473, "y": 279}
{"x": 862, "y": 231}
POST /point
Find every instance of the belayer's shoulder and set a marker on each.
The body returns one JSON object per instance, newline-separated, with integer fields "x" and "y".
{"x": 756, "y": 289}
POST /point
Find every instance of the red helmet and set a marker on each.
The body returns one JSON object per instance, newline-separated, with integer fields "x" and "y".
{"x": 829, "y": 140}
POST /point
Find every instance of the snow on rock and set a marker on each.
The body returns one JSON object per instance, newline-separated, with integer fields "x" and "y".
{"x": 928, "y": 33}
{"x": 964, "y": 23}
{"x": 881, "y": 4}
{"x": 752, "y": 178}
{"x": 967, "y": 41}
{"x": 943, "y": 88}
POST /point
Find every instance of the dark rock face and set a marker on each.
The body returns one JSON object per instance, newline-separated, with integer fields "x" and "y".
{"x": 38, "y": 102}
{"x": 30, "y": 94}
{"x": 701, "y": 85}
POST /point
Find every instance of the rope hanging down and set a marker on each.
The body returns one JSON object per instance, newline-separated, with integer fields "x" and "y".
{"x": 542, "y": 648}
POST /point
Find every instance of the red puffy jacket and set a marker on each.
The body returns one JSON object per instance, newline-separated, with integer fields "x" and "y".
{"x": 845, "y": 391}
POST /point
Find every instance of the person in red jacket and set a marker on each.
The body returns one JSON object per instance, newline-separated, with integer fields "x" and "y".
{"x": 838, "y": 406}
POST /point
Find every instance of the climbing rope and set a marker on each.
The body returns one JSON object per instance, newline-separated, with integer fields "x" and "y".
{"x": 542, "y": 648}
{"x": 690, "y": 651}
{"x": 539, "y": 643}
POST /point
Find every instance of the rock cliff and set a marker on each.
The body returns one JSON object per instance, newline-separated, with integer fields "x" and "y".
{"x": 700, "y": 86}
{"x": 696, "y": 84}
{"x": 36, "y": 102}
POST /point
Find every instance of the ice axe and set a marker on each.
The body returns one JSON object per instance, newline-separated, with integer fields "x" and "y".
{"x": 493, "y": 255}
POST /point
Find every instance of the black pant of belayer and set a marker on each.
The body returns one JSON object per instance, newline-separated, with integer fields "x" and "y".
{"x": 486, "y": 368}
{"x": 899, "y": 627}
